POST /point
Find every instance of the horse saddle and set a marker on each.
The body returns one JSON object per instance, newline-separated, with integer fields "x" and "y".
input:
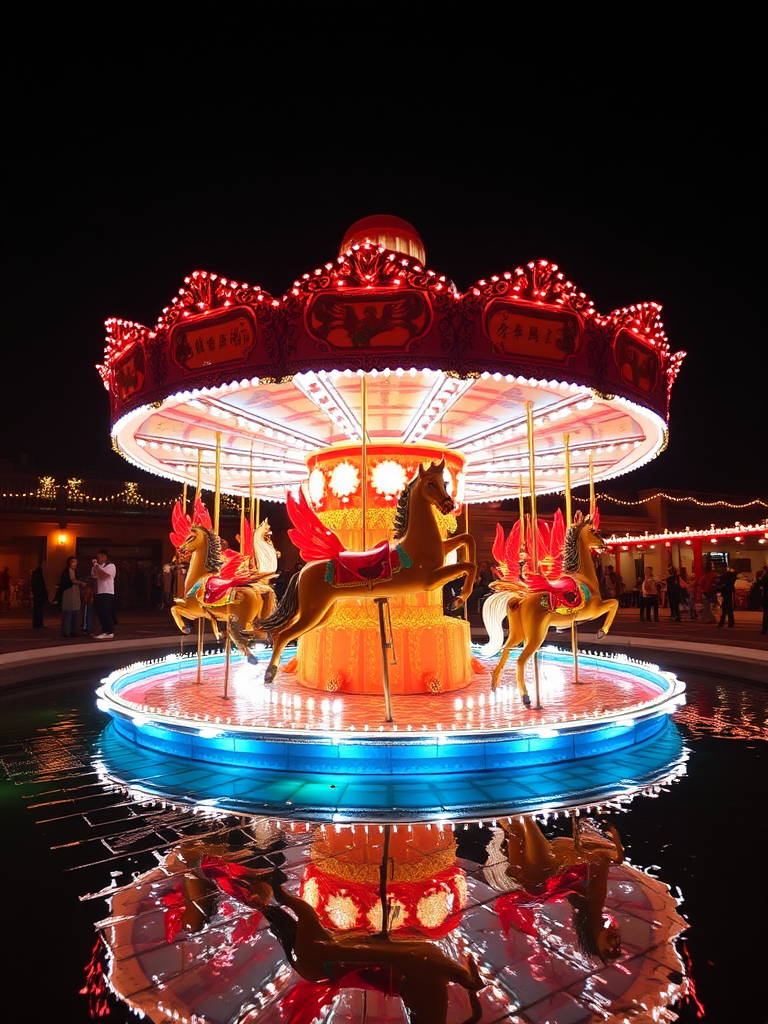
{"x": 562, "y": 595}
{"x": 213, "y": 590}
{"x": 358, "y": 568}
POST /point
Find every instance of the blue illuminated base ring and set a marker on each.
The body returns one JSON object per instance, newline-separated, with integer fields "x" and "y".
{"x": 375, "y": 754}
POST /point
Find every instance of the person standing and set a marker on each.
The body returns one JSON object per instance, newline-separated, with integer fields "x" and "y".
{"x": 39, "y": 596}
{"x": 708, "y": 585}
{"x": 764, "y": 598}
{"x": 651, "y": 595}
{"x": 103, "y": 572}
{"x": 68, "y": 597}
{"x": 674, "y": 593}
{"x": 726, "y": 586}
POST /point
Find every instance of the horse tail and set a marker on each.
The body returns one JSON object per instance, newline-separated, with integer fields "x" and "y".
{"x": 286, "y": 609}
{"x": 494, "y": 609}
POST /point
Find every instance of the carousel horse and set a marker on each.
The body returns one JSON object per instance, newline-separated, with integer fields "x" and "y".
{"x": 225, "y": 589}
{"x": 573, "y": 868}
{"x": 418, "y": 972}
{"x": 414, "y": 564}
{"x": 532, "y": 603}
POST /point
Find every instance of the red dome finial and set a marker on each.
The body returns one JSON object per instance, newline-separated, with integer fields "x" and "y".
{"x": 391, "y": 232}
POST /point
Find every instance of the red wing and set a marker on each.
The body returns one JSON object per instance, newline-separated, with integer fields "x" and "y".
{"x": 557, "y": 544}
{"x": 181, "y": 523}
{"x": 200, "y": 516}
{"x": 246, "y": 541}
{"x": 402, "y": 312}
{"x": 596, "y": 519}
{"x": 313, "y": 540}
{"x": 236, "y": 568}
{"x": 543, "y": 534}
{"x": 507, "y": 554}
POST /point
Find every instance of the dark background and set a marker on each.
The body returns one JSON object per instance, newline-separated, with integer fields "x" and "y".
{"x": 142, "y": 144}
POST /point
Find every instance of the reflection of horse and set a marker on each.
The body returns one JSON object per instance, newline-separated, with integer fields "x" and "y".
{"x": 416, "y": 562}
{"x": 533, "y": 606}
{"x": 575, "y": 869}
{"x": 226, "y": 589}
{"x": 418, "y": 972}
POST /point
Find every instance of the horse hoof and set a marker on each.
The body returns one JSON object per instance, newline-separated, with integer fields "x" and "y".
{"x": 526, "y": 700}
{"x": 600, "y": 634}
{"x": 270, "y": 674}
{"x": 186, "y": 629}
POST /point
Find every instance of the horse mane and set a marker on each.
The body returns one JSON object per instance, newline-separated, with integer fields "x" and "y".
{"x": 214, "y": 559}
{"x": 571, "y": 546}
{"x": 401, "y": 512}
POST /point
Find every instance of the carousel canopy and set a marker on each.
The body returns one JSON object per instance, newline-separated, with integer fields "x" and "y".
{"x": 280, "y": 378}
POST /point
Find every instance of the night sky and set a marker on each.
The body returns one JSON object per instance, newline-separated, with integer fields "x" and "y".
{"x": 139, "y": 152}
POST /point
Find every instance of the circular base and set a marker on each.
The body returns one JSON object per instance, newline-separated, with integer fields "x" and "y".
{"x": 321, "y": 751}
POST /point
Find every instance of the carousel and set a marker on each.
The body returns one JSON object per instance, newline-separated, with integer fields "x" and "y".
{"x": 339, "y": 745}
{"x": 383, "y": 404}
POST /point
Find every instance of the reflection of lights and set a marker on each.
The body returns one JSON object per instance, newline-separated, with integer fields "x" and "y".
{"x": 388, "y": 478}
{"x": 345, "y": 480}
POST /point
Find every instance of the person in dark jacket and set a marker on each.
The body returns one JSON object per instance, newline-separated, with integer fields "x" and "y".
{"x": 39, "y": 596}
{"x": 726, "y": 586}
{"x": 674, "y": 593}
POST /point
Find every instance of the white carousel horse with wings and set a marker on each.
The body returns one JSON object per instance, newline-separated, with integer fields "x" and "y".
{"x": 564, "y": 590}
{"x": 224, "y": 586}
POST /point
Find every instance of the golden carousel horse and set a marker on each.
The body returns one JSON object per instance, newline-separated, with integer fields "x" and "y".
{"x": 414, "y": 564}
{"x": 534, "y": 603}
{"x": 228, "y": 588}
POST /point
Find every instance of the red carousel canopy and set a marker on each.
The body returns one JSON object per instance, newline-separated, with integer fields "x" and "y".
{"x": 280, "y": 378}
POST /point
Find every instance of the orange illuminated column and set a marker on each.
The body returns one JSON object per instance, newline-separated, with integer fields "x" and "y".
{"x": 426, "y": 889}
{"x": 432, "y": 650}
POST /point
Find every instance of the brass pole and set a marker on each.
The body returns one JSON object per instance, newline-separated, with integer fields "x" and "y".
{"x": 521, "y": 552}
{"x": 568, "y": 521}
{"x": 465, "y": 609}
{"x": 199, "y": 472}
{"x": 383, "y": 879}
{"x": 242, "y": 524}
{"x": 184, "y": 500}
{"x": 385, "y": 645}
{"x": 534, "y": 546}
{"x": 227, "y": 653}
{"x": 364, "y": 454}
{"x": 532, "y": 481}
{"x": 250, "y": 492}
{"x": 200, "y": 630}
{"x": 591, "y": 486}
{"x": 217, "y": 484}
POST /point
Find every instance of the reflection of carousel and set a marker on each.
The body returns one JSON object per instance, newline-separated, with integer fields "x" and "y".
{"x": 201, "y": 937}
{"x": 384, "y": 391}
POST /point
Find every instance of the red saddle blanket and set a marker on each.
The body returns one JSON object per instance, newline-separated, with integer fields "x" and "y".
{"x": 353, "y": 568}
{"x": 518, "y": 909}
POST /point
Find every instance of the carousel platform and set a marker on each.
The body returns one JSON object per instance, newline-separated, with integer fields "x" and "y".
{"x": 286, "y": 734}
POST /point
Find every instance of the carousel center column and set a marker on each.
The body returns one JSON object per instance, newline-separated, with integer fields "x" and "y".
{"x": 432, "y": 650}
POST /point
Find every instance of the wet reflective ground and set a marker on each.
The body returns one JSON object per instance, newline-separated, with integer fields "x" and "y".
{"x": 68, "y": 835}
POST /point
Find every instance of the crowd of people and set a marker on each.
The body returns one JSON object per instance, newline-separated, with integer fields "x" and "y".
{"x": 710, "y": 599}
